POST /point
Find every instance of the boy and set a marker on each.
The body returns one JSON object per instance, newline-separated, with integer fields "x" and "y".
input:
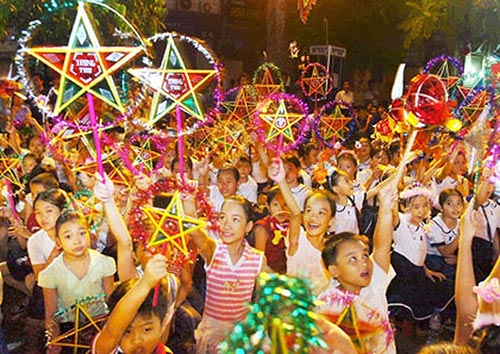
{"x": 135, "y": 324}
{"x": 362, "y": 280}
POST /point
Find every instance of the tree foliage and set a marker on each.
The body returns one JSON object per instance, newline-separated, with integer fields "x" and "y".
{"x": 147, "y": 16}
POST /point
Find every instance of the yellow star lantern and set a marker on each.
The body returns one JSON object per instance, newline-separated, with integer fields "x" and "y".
{"x": 84, "y": 65}
{"x": 266, "y": 85}
{"x": 281, "y": 122}
{"x": 315, "y": 81}
{"x": 8, "y": 166}
{"x": 171, "y": 226}
{"x": 243, "y": 107}
{"x": 332, "y": 127}
{"x": 174, "y": 84}
{"x": 230, "y": 139}
{"x": 80, "y": 338}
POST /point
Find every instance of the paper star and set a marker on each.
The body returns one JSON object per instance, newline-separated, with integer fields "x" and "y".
{"x": 266, "y": 86}
{"x": 316, "y": 83}
{"x": 332, "y": 125}
{"x": 281, "y": 122}
{"x": 242, "y": 107}
{"x": 82, "y": 335}
{"x": 8, "y": 166}
{"x": 171, "y": 225}
{"x": 84, "y": 65}
{"x": 230, "y": 139}
{"x": 144, "y": 156}
{"x": 174, "y": 84}
{"x": 113, "y": 167}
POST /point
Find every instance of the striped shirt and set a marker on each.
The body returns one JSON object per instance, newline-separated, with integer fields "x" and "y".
{"x": 230, "y": 286}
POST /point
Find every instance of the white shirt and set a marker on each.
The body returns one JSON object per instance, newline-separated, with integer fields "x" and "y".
{"x": 40, "y": 246}
{"x": 440, "y": 235}
{"x": 249, "y": 190}
{"x": 410, "y": 240}
{"x": 300, "y": 193}
{"x": 345, "y": 215}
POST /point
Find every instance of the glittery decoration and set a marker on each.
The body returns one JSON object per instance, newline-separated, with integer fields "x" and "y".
{"x": 143, "y": 198}
{"x": 280, "y": 320}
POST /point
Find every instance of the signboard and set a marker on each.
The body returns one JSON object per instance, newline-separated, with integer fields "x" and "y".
{"x": 338, "y": 52}
{"x": 212, "y": 7}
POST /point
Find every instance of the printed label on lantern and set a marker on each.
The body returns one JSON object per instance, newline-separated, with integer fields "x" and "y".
{"x": 175, "y": 84}
{"x": 85, "y": 67}
{"x": 280, "y": 122}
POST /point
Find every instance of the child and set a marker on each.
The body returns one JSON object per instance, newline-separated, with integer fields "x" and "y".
{"x": 347, "y": 162}
{"x": 231, "y": 267}
{"x": 42, "y": 248}
{"x": 348, "y": 203}
{"x": 247, "y": 186}
{"x": 135, "y": 324}
{"x": 79, "y": 275}
{"x": 299, "y": 190}
{"x": 305, "y": 244}
{"x": 362, "y": 281}
{"x": 408, "y": 257}
{"x": 227, "y": 184}
{"x": 271, "y": 231}
{"x": 443, "y": 234}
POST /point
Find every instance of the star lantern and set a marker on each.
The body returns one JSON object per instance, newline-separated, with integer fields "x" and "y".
{"x": 281, "y": 122}
{"x": 315, "y": 81}
{"x": 239, "y": 104}
{"x": 85, "y": 65}
{"x": 230, "y": 139}
{"x": 331, "y": 127}
{"x": 171, "y": 226}
{"x": 175, "y": 84}
{"x": 8, "y": 166}
{"x": 80, "y": 338}
{"x": 268, "y": 80}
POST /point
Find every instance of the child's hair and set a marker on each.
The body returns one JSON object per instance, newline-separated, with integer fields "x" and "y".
{"x": 334, "y": 178}
{"x": 449, "y": 192}
{"x": 348, "y": 155}
{"x": 32, "y": 156}
{"x": 273, "y": 192}
{"x": 146, "y": 308}
{"x": 245, "y": 159}
{"x": 330, "y": 249}
{"x": 412, "y": 192}
{"x": 176, "y": 159}
{"x": 46, "y": 179}
{"x": 307, "y": 148}
{"x": 325, "y": 194}
{"x": 244, "y": 203}
{"x": 68, "y": 216}
{"x": 486, "y": 339}
{"x": 446, "y": 348}
{"x": 231, "y": 169}
{"x": 294, "y": 160}
{"x": 54, "y": 196}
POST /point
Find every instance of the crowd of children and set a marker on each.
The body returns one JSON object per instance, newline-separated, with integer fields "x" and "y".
{"x": 368, "y": 230}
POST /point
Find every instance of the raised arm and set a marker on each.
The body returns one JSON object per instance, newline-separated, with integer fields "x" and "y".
{"x": 465, "y": 299}
{"x": 126, "y": 309}
{"x": 104, "y": 191}
{"x": 382, "y": 238}
{"x": 276, "y": 172}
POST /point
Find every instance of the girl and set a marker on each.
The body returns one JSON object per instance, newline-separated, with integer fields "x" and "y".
{"x": 42, "y": 249}
{"x": 347, "y": 162}
{"x": 451, "y": 175}
{"x": 362, "y": 281}
{"x": 305, "y": 245}
{"x": 443, "y": 234}
{"x": 270, "y": 232}
{"x": 408, "y": 257}
{"x": 78, "y": 275}
{"x": 349, "y": 203}
{"x": 231, "y": 267}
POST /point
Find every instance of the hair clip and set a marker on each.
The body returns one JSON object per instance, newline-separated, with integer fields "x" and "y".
{"x": 488, "y": 291}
